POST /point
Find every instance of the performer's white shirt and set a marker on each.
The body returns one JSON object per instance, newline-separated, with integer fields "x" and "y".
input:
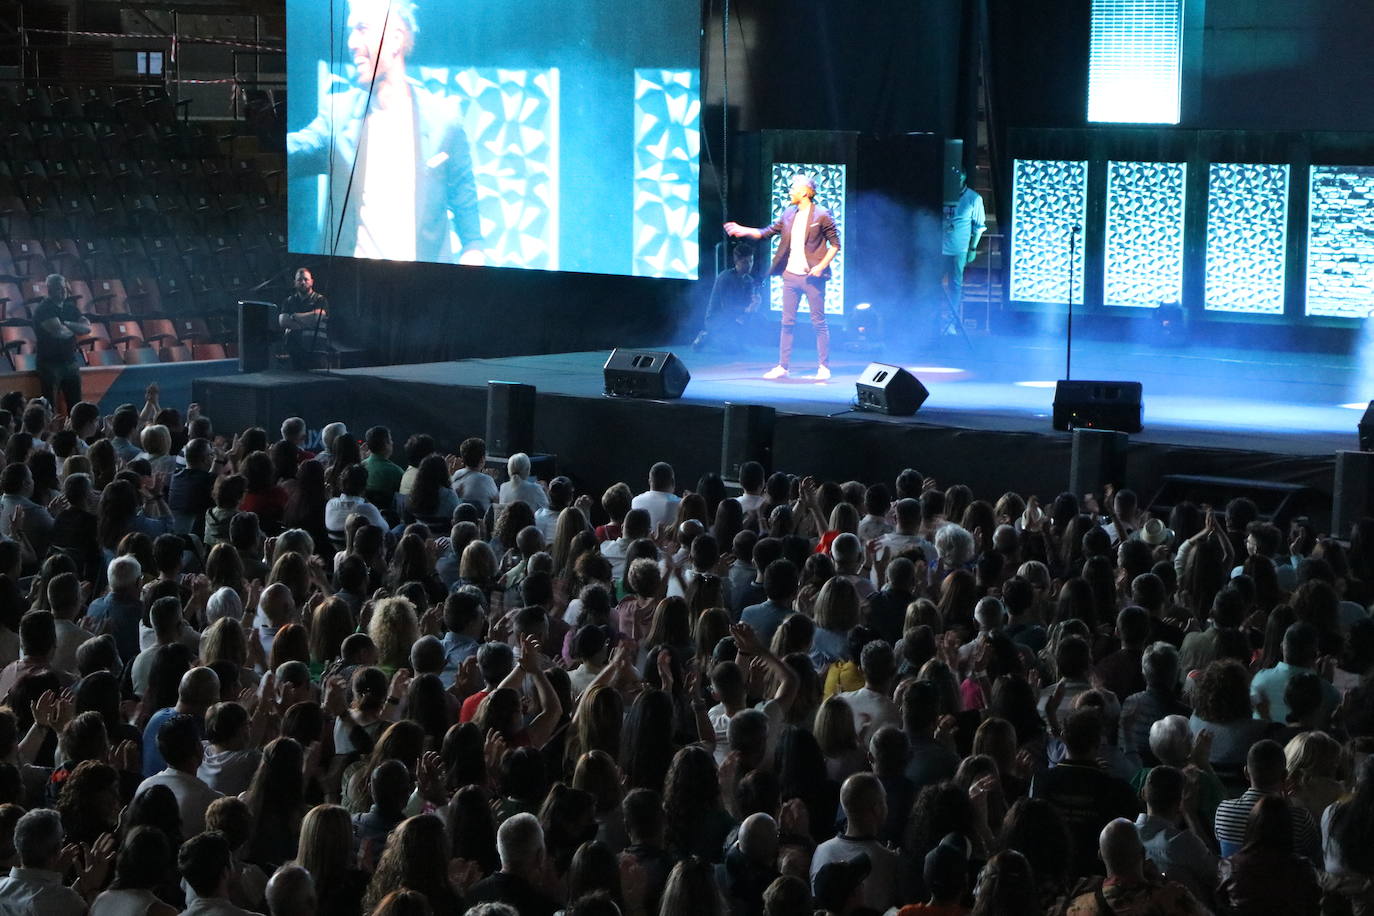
{"x": 386, "y": 212}
{"x": 796, "y": 255}
{"x": 965, "y": 223}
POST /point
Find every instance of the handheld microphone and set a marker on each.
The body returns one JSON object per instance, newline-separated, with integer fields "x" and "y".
{"x": 1076, "y": 228}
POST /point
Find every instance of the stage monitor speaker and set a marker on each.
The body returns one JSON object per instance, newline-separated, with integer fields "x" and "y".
{"x": 1367, "y": 429}
{"x": 890, "y": 390}
{"x": 654, "y": 374}
{"x": 510, "y": 418}
{"x": 748, "y": 436}
{"x": 257, "y": 333}
{"x": 1352, "y": 498}
{"x": 1098, "y": 457}
{"x": 1098, "y": 405}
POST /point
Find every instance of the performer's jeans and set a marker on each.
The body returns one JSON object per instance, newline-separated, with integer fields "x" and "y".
{"x": 64, "y": 377}
{"x": 952, "y": 270}
{"x": 794, "y": 286}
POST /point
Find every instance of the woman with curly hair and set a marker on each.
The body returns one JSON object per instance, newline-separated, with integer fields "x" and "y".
{"x": 1221, "y": 705}
{"x": 1034, "y": 828}
{"x": 416, "y": 859}
{"x": 89, "y": 801}
{"x": 1006, "y": 887}
{"x": 394, "y": 629}
{"x": 697, "y": 821}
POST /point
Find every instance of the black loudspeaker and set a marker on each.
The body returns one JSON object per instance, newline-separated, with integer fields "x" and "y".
{"x": 748, "y": 436}
{"x": 1353, "y": 496}
{"x": 1098, "y": 405}
{"x": 645, "y": 374}
{"x": 257, "y": 332}
{"x": 890, "y": 390}
{"x": 510, "y": 418}
{"x": 1367, "y": 429}
{"x": 1099, "y": 457}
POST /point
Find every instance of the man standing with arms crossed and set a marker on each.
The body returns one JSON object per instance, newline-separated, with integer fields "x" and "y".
{"x": 803, "y": 261}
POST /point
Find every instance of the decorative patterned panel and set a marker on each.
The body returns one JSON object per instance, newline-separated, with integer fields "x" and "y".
{"x": 1247, "y": 231}
{"x": 666, "y": 161}
{"x": 1135, "y": 61}
{"x": 1340, "y": 241}
{"x": 511, "y": 120}
{"x": 1144, "y": 240}
{"x": 830, "y": 194}
{"x": 1049, "y": 198}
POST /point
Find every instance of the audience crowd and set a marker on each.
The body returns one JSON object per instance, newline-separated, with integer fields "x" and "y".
{"x": 323, "y": 674}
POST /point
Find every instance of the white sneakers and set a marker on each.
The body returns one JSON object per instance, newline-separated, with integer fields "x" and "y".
{"x": 777, "y": 372}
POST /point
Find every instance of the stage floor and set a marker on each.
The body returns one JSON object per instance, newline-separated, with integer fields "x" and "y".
{"x": 1248, "y": 400}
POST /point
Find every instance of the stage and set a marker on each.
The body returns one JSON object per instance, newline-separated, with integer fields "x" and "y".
{"x": 1239, "y": 413}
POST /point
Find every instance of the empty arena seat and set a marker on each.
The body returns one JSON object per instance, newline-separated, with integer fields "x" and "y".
{"x": 126, "y": 332}
{"x": 140, "y": 356}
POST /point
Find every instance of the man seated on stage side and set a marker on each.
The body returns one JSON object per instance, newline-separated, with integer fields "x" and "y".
{"x": 734, "y": 299}
{"x": 305, "y": 319}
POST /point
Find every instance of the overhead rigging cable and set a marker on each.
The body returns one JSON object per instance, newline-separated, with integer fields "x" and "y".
{"x": 367, "y": 108}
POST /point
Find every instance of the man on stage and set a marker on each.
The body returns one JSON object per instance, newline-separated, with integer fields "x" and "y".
{"x": 965, "y": 223}
{"x": 305, "y": 319}
{"x": 400, "y": 159}
{"x": 803, "y": 261}
{"x": 734, "y": 297}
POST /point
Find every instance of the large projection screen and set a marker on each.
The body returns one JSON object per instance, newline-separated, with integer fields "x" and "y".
{"x": 544, "y": 135}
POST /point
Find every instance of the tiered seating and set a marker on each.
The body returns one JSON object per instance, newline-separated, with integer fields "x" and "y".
{"x": 160, "y": 225}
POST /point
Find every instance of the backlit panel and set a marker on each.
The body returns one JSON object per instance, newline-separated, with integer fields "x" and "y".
{"x": 666, "y": 156}
{"x": 1340, "y": 242}
{"x": 1049, "y": 198}
{"x": 1135, "y": 61}
{"x": 1144, "y": 237}
{"x": 1247, "y": 233}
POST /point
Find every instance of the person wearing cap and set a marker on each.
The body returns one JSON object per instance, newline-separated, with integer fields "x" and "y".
{"x": 865, "y": 810}
{"x": 946, "y": 875}
{"x": 803, "y": 261}
{"x": 837, "y": 887}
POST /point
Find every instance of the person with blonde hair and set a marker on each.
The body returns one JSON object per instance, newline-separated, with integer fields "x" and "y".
{"x": 1315, "y": 763}
{"x": 836, "y": 612}
{"x": 325, "y": 851}
{"x": 393, "y": 629}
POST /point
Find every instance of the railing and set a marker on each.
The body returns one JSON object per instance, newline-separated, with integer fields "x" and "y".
{"x": 33, "y": 55}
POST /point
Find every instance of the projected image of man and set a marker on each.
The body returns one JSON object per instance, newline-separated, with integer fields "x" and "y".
{"x": 401, "y": 179}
